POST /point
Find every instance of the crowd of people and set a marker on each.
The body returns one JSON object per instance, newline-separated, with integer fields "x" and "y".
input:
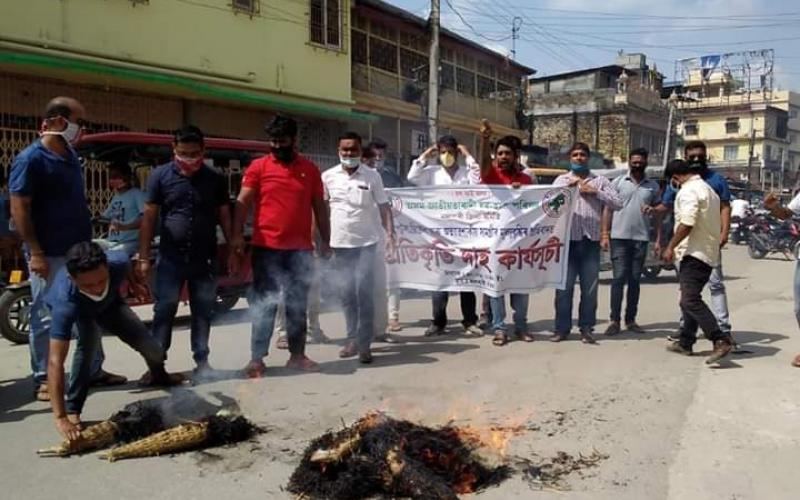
{"x": 301, "y": 217}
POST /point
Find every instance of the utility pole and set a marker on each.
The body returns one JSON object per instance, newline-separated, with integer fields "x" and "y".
{"x": 750, "y": 156}
{"x": 433, "y": 75}
{"x": 516, "y": 24}
{"x": 671, "y": 104}
{"x": 783, "y": 170}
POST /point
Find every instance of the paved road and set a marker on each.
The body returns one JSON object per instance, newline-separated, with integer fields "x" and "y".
{"x": 672, "y": 427}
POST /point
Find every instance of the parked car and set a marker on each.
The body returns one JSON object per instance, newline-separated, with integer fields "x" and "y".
{"x": 142, "y": 152}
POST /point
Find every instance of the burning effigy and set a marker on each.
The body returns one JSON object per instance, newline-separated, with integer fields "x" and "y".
{"x": 133, "y": 422}
{"x": 379, "y": 455}
{"x": 140, "y": 430}
{"x": 216, "y": 430}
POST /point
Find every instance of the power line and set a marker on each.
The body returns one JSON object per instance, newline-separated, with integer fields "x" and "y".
{"x": 468, "y": 25}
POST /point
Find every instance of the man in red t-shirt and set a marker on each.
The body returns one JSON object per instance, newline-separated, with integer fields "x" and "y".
{"x": 286, "y": 189}
{"x": 505, "y": 169}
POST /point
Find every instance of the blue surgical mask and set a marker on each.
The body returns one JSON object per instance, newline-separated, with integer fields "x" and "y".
{"x": 579, "y": 169}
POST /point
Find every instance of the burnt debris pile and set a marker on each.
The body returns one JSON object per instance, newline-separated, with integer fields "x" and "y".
{"x": 381, "y": 456}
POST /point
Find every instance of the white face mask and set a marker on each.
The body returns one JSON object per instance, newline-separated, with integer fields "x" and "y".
{"x": 350, "y": 162}
{"x": 70, "y": 134}
{"x": 98, "y": 298}
{"x": 380, "y": 163}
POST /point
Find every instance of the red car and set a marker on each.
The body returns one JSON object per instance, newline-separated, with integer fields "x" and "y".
{"x": 142, "y": 152}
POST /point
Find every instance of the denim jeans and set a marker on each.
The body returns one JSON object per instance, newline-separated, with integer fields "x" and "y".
{"x": 519, "y": 304}
{"x": 468, "y": 314}
{"x": 627, "y": 261}
{"x": 314, "y": 304}
{"x": 693, "y": 276}
{"x": 279, "y": 276}
{"x": 719, "y": 297}
{"x": 121, "y": 321}
{"x": 40, "y": 324}
{"x": 584, "y": 263}
{"x": 171, "y": 275}
{"x": 357, "y": 268}
{"x": 797, "y": 292}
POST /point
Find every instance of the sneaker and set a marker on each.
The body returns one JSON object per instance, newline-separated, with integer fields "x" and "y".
{"x": 365, "y": 357}
{"x": 255, "y": 369}
{"x": 106, "y": 379}
{"x": 302, "y": 362}
{"x": 676, "y": 347}
{"x": 587, "y": 337}
{"x": 721, "y": 349}
{"x": 613, "y": 329}
{"x": 434, "y": 330}
{"x": 558, "y": 337}
{"x": 633, "y": 327}
{"x": 473, "y": 331}
{"x": 349, "y": 350}
{"x": 394, "y": 326}
{"x": 387, "y": 339}
{"x": 318, "y": 337}
{"x": 202, "y": 370}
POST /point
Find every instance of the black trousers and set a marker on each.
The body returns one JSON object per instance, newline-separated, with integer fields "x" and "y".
{"x": 468, "y": 303}
{"x": 692, "y": 277}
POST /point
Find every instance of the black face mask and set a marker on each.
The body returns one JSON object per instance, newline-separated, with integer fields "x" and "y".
{"x": 698, "y": 163}
{"x": 284, "y": 154}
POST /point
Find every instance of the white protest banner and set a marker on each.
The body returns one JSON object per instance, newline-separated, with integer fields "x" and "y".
{"x": 490, "y": 239}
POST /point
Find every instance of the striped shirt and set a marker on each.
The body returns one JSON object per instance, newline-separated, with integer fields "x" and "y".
{"x": 587, "y": 217}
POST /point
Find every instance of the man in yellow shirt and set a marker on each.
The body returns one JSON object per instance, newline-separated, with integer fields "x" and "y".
{"x": 695, "y": 249}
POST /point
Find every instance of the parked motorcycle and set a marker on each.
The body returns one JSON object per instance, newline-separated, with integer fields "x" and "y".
{"x": 741, "y": 228}
{"x": 770, "y": 235}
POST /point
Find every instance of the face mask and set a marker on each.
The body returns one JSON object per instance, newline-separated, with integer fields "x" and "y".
{"x": 71, "y": 134}
{"x": 698, "y": 163}
{"x": 380, "y": 163}
{"x": 188, "y": 165}
{"x": 284, "y": 154}
{"x": 675, "y": 184}
{"x": 447, "y": 160}
{"x": 349, "y": 162}
{"x": 579, "y": 169}
{"x": 116, "y": 184}
{"x": 98, "y": 298}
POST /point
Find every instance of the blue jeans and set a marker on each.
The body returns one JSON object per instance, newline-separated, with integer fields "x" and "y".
{"x": 171, "y": 275}
{"x": 40, "y": 324}
{"x": 797, "y": 292}
{"x": 279, "y": 275}
{"x": 121, "y": 321}
{"x": 519, "y": 303}
{"x": 627, "y": 261}
{"x": 357, "y": 268}
{"x": 584, "y": 263}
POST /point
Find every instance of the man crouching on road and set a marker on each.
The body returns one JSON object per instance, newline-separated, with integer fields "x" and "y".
{"x": 695, "y": 249}
{"x": 86, "y": 293}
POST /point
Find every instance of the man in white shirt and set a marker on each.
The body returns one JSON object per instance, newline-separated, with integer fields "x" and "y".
{"x": 449, "y": 168}
{"x": 695, "y": 248}
{"x": 356, "y": 199}
{"x": 772, "y": 204}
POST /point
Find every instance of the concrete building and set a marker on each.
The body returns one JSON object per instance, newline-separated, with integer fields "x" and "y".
{"x": 226, "y": 66}
{"x": 612, "y": 108}
{"x": 390, "y": 75}
{"x": 733, "y": 123}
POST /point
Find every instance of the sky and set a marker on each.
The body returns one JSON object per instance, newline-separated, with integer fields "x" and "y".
{"x": 556, "y": 36}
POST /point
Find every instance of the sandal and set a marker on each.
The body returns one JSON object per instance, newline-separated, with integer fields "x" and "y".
{"x": 524, "y": 336}
{"x": 500, "y": 339}
{"x": 796, "y": 362}
{"x": 41, "y": 393}
{"x": 283, "y": 342}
